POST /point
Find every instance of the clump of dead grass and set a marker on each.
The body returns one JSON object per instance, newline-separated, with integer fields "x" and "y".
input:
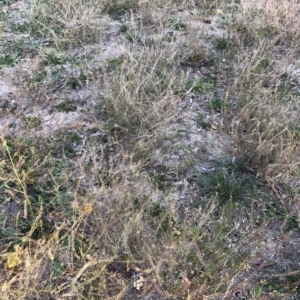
{"x": 267, "y": 19}
{"x": 265, "y": 123}
{"x": 142, "y": 94}
{"x": 67, "y": 22}
{"x": 265, "y": 136}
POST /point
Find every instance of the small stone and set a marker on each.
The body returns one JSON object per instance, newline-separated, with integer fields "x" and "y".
{"x": 205, "y": 71}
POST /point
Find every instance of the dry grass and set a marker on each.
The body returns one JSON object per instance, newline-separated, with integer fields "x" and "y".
{"x": 90, "y": 211}
{"x": 266, "y": 122}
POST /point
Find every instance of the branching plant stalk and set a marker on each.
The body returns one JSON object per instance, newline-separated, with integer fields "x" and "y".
{"x": 23, "y": 188}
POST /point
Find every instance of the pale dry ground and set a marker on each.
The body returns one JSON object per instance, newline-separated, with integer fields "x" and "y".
{"x": 115, "y": 123}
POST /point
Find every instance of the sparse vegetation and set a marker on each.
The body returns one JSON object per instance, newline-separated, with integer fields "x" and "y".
{"x": 65, "y": 106}
{"x": 228, "y": 183}
{"x": 176, "y": 24}
{"x": 6, "y": 60}
{"x": 218, "y": 104}
{"x": 221, "y": 43}
{"x": 149, "y": 149}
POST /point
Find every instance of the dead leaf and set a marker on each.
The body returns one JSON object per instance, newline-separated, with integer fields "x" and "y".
{"x": 13, "y": 258}
{"x": 87, "y": 209}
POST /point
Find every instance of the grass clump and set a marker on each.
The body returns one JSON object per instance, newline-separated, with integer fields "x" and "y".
{"x": 227, "y": 183}
{"x": 113, "y": 63}
{"x": 66, "y": 22}
{"x": 176, "y": 24}
{"x": 66, "y": 106}
{"x": 54, "y": 59}
{"x": 32, "y": 122}
{"x": 272, "y": 150}
{"x": 201, "y": 122}
{"x": 119, "y": 7}
{"x": 134, "y": 104}
{"x": 6, "y": 60}
{"x": 218, "y": 104}
{"x": 263, "y": 22}
{"x": 204, "y": 84}
{"x": 221, "y": 43}
{"x": 262, "y": 127}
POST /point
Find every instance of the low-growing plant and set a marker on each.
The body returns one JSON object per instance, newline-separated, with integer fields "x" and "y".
{"x": 202, "y": 123}
{"x": 208, "y": 6}
{"x": 218, "y": 104}
{"x": 119, "y": 7}
{"x": 227, "y": 183}
{"x": 21, "y": 27}
{"x": 40, "y": 76}
{"x": 77, "y": 82}
{"x": 53, "y": 58}
{"x": 170, "y": 37}
{"x": 204, "y": 84}
{"x": 123, "y": 27}
{"x": 221, "y": 43}
{"x": 66, "y": 106}
{"x": 32, "y": 122}
{"x": 176, "y": 24}
{"x": 6, "y": 60}
{"x": 113, "y": 63}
